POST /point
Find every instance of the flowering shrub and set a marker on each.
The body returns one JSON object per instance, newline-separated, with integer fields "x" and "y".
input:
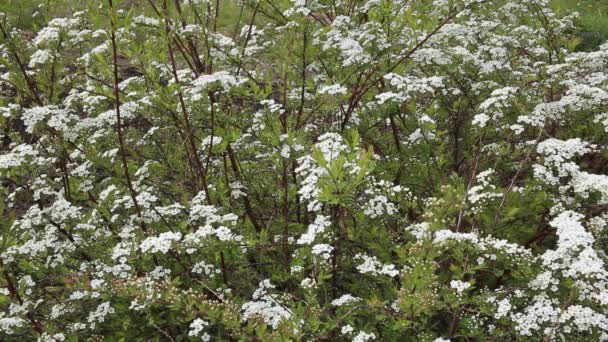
{"x": 313, "y": 170}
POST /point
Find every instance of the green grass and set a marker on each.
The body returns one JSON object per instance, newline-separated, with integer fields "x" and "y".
{"x": 593, "y": 21}
{"x": 30, "y": 14}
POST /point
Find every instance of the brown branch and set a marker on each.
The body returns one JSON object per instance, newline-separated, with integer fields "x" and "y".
{"x": 198, "y": 164}
{"x": 247, "y": 202}
{"x": 15, "y": 294}
{"x": 523, "y": 164}
{"x": 28, "y": 81}
{"x": 119, "y": 131}
{"x": 255, "y": 11}
{"x": 357, "y": 95}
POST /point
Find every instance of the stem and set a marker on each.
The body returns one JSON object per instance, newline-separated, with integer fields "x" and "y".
{"x": 15, "y": 294}
{"x": 194, "y": 151}
{"x": 247, "y": 202}
{"x": 28, "y": 80}
{"x": 358, "y": 94}
{"x": 118, "y": 120}
{"x": 303, "y": 75}
{"x": 255, "y": 11}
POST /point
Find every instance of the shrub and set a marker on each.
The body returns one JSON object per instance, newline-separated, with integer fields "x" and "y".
{"x": 306, "y": 170}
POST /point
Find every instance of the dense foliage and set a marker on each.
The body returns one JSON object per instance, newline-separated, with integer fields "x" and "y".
{"x": 323, "y": 170}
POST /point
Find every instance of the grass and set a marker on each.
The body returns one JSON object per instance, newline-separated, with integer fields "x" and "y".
{"x": 593, "y": 20}
{"x": 28, "y": 13}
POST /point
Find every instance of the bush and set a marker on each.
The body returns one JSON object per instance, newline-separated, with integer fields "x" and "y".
{"x": 306, "y": 170}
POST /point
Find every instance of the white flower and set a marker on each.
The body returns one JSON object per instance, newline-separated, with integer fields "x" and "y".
{"x": 347, "y": 329}
{"x": 308, "y": 283}
{"x": 345, "y": 299}
{"x": 333, "y": 89}
{"x": 373, "y": 266}
{"x": 161, "y": 244}
{"x": 99, "y": 315}
{"x": 285, "y": 151}
{"x": 317, "y": 227}
{"x": 40, "y": 57}
{"x": 362, "y": 336}
{"x": 196, "y": 328}
{"x": 459, "y": 286}
{"x": 322, "y": 250}
{"x": 7, "y": 323}
{"x": 481, "y": 120}
{"x": 378, "y": 206}
{"x": 266, "y": 306}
